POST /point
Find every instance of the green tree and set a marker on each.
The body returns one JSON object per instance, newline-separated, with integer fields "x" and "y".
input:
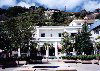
{"x": 83, "y": 42}
{"x": 4, "y": 39}
{"x": 40, "y": 16}
{"x": 66, "y": 43}
{"x": 2, "y": 11}
{"x": 57, "y": 18}
{"x": 98, "y": 45}
{"x": 17, "y": 32}
{"x": 83, "y": 13}
{"x": 15, "y": 11}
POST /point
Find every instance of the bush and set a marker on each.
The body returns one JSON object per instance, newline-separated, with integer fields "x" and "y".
{"x": 8, "y": 62}
{"x": 81, "y": 57}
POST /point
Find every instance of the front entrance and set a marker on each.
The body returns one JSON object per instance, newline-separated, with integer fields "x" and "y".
{"x": 52, "y": 51}
{"x": 49, "y": 50}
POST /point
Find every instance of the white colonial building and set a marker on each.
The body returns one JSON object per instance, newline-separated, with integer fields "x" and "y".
{"x": 53, "y": 35}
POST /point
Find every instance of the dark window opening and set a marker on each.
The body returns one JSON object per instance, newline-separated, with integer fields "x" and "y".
{"x": 51, "y": 35}
{"x": 79, "y": 24}
{"x": 43, "y": 35}
{"x": 59, "y": 50}
{"x": 59, "y": 34}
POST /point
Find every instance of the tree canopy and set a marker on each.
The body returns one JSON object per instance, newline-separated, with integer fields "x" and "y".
{"x": 17, "y": 32}
{"x": 83, "y": 42}
{"x": 66, "y": 43}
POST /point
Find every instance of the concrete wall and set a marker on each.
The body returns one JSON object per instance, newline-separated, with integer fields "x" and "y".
{"x": 48, "y": 32}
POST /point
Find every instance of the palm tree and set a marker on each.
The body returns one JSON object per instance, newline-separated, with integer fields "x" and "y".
{"x": 46, "y": 46}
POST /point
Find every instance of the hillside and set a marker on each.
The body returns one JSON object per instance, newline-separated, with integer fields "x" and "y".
{"x": 45, "y": 17}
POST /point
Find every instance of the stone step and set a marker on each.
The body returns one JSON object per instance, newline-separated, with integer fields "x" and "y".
{"x": 86, "y": 62}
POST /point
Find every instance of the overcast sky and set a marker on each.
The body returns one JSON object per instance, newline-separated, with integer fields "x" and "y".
{"x": 71, "y": 5}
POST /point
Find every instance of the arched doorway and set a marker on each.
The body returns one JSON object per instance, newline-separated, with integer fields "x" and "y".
{"x": 43, "y": 51}
{"x": 52, "y": 51}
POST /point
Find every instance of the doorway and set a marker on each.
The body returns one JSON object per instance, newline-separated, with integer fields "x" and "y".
{"x": 52, "y": 51}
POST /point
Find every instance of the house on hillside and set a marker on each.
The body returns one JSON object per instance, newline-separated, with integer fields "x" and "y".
{"x": 90, "y": 17}
{"x": 94, "y": 26}
{"x": 95, "y": 30}
{"x": 50, "y": 12}
{"x": 97, "y": 10}
{"x": 80, "y": 22}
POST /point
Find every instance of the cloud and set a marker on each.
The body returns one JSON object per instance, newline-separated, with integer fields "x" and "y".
{"x": 24, "y": 4}
{"x": 71, "y": 5}
{"x": 91, "y": 5}
{"x": 7, "y": 3}
{"x": 60, "y": 4}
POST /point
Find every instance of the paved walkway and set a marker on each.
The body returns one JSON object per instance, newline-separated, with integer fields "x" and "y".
{"x": 62, "y": 66}
{"x": 85, "y": 67}
{"x": 78, "y": 66}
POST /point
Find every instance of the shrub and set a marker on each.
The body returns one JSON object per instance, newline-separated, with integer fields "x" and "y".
{"x": 81, "y": 57}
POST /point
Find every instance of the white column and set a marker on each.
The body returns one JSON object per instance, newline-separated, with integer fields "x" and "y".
{"x": 94, "y": 51}
{"x": 47, "y": 51}
{"x": 56, "y": 50}
{"x": 74, "y": 52}
{"x": 19, "y": 52}
{"x": 64, "y": 30}
{"x": 83, "y": 53}
{"x": 28, "y": 53}
{"x": 37, "y": 32}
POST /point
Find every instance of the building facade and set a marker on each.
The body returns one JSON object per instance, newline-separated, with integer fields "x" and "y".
{"x": 53, "y": 35}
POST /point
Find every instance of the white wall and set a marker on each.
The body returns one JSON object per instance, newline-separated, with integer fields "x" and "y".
{"x": 72, "y": 30}
{"x": 48, "y": 32}
{"x": 77, "y": 23}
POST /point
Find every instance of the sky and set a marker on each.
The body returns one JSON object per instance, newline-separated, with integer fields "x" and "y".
{"x": 68, "y": 5}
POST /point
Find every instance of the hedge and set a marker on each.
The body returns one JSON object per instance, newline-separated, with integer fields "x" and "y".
{"x": 81, "y": 57}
